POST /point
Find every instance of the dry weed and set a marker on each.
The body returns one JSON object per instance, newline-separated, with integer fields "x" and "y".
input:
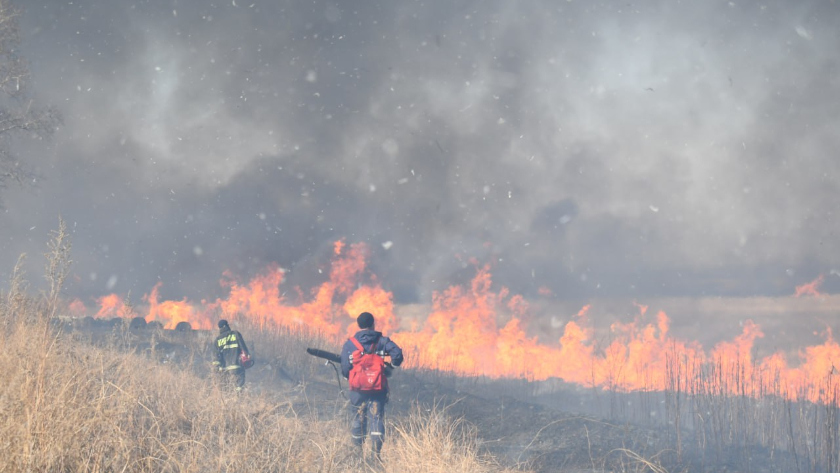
{"x": 67, "y": 405}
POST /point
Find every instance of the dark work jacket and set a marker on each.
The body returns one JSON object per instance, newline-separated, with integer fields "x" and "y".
{"x": 367, "y": 337}
{"x": 229, "y": 345}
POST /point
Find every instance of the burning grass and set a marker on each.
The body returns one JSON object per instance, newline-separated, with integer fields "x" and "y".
{"x": 68, "y": 405}
{"x": 73, "y": 401}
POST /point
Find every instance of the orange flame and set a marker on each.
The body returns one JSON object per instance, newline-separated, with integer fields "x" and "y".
{"x": 171, "y": 313}
{"x": 113, "y": 306}
{"x": 476, "y": 330}
{"x": 77, "y": 308}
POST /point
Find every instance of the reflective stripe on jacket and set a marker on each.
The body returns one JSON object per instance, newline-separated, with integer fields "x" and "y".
{"x": 229, "y": 345}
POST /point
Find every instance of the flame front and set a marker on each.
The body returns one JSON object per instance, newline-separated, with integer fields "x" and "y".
{"x": 474, "y": 330}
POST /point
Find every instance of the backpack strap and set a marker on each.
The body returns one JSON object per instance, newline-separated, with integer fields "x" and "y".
{"x": 360, "y": 347}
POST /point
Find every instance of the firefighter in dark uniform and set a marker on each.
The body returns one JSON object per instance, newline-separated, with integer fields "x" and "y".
{"x": 230, "y": 345}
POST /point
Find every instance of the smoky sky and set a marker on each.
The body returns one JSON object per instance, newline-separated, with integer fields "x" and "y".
{"x": 593, "y": 149}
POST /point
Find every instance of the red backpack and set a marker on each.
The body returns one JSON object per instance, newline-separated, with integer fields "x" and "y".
{"x": 368, "y": 372}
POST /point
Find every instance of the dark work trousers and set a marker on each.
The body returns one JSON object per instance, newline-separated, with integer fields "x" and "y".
{"x": 234, "y": 377}
{"x": 368, "y": 415}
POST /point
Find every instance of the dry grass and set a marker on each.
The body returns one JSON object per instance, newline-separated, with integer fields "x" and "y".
{"x": 431, "y": 441}
{"x": 68, "y": 406}
{"x": 69, "y": 403}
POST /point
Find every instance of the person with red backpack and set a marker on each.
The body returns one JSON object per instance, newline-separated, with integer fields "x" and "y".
{"x": 363, "y": 365}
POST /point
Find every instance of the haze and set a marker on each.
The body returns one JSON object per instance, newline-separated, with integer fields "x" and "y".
{"x": 585, "y": 150}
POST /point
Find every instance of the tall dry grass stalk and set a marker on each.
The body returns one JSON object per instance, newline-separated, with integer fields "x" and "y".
{"x": 15, "y": 300}
{"x": 57, "y": 267}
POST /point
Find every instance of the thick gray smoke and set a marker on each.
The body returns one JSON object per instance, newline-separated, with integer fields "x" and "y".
{"x": 640, "y": 149}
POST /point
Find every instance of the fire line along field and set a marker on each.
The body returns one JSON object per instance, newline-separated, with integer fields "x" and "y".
{"x": 542, "y": 390}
